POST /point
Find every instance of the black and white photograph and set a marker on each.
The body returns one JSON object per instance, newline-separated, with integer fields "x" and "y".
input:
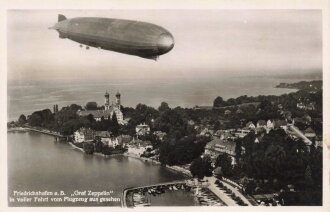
{"x": 165, "y": 107}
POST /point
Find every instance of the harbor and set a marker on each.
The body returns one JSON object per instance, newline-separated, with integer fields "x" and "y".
{"x": 149, "y": 195}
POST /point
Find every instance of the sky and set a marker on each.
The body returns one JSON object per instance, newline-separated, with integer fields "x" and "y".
{"x": 208, "y": 44}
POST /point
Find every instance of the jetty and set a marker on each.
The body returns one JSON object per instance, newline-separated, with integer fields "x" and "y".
{"x": 125, "y": 191}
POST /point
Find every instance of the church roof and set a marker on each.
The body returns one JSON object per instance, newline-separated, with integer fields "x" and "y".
{"x": 96, "y": 113}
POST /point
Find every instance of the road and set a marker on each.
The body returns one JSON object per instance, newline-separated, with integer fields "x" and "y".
{"x": 220, "y": 193}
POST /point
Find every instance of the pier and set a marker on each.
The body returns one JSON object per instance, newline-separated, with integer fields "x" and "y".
{"x": 124, "y": 195}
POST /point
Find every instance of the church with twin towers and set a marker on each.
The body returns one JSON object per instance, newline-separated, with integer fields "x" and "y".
{"x": 107, "y": 112}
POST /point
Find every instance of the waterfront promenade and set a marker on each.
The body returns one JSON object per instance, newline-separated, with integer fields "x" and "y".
{"x": 40, "y": 130}
{"x": 221, "y": 194}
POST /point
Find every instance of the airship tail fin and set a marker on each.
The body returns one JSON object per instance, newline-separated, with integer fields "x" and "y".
{"x": 61, "y": 17}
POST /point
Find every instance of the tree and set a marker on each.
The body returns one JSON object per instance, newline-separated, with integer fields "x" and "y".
{"x": 88, "y": 148}
{"x": 219, "y": 102}
{"x": 201, "y": 167}
{"x": 238, "y": 150}
{"x": 91, "y": 106}
{"x": 163, "y": 107}
{"x": 225, "y": 162}
{"x": 90, "y": 118}
{"x": 98, "y": 146}
{"x": 308, "y": 177}
{"x": 114, "y": 125}
{"x": 22, "y": 119}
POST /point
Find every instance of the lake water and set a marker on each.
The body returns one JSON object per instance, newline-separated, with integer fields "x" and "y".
{"x": 36, "y": 162}
{"x": 26, "y": 97}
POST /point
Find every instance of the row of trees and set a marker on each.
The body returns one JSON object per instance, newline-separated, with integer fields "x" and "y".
{"x": 66, "y": 121}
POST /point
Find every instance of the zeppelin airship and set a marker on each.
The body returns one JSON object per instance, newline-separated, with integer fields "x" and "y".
{"x": 125, "y": 36}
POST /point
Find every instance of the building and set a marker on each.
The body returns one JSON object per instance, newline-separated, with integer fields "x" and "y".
{"x": 218, "y": 146}
{"x": 250, "y": 125}
{"x": 308, "y": 106}
{"x": 261, "y": 123}
{"x": 241, "y": 133}
{"x": 84, "y": 135}
{"x": 103, "y": 136}
{"x": 207, "y": 132}
{"x": 114, "y": 142}
{"x": 108, "y": 111}
{"x": 270, "y": 124}
{"x": 142, "y": 129}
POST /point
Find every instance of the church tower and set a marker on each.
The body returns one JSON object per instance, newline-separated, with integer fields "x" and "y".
{"x": 118, "y": 100}
{"x": 106, "y": 100}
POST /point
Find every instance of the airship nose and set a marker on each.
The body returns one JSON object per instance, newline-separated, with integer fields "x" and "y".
{"x": 165, "y": 43}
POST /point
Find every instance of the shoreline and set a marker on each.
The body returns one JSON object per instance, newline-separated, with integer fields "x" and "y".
{"x": 173, "y": 168}
{"x": 178, "y": 169}
{"x": 184, "y": 172}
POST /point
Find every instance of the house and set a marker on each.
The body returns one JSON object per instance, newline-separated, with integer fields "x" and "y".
{"x": 191, "y": 122}
{"x": 84, "y": 135}
{"x": 224, "y": 134}
{"x": 113, "y": 143}
{"x": 261, "y": 123}
{"x": 207, "y": 132}
{"x": 218, "y": 146}
{"x": 308, "y": 106}
{"x": 103, "y": 136}
{"x": 250, "y": 125}
{"x": 142, "y": 129}
{"x": 301, "y": 105}
{"x": 124, "y": 139}
{"x": 242, "y": 132}
{"x": 270, "y": 124}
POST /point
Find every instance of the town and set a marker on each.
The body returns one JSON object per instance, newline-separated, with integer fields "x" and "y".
{"x": 269, "y": 148}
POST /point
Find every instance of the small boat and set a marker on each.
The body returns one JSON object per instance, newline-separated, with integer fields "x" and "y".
{"x": 175, "y": 188}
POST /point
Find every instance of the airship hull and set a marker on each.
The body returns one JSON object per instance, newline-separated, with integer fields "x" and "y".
{"x": 125, "y": 36}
